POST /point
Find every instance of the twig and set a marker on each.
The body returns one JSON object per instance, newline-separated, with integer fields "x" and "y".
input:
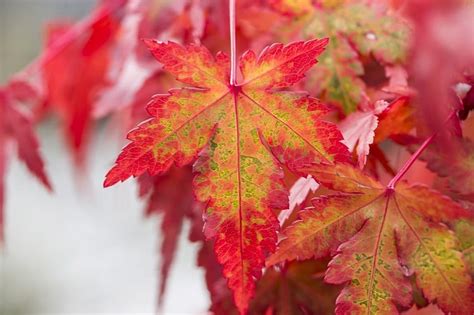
{"x": 414, "y": 157}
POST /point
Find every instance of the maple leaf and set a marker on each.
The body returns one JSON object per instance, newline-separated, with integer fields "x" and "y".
{"x": 222, "y": 301}
{"x": 363, "y": 131}
{"x": 377, "y": 232}
{"x": 355, "y": 29}
{"x": 338, "y": 79}
{"x": 171, "y": 196}
{"x": 17, "y": 127}
{"x": 238, "y": 178}
{"x": 358, "y": 130}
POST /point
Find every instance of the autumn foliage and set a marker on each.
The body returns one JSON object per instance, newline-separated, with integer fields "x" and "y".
{"x": 291, "y": 162}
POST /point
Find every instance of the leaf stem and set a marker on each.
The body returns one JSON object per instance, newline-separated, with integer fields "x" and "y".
{"x": 415, "y": 156}
{"x": 233, "y": 49}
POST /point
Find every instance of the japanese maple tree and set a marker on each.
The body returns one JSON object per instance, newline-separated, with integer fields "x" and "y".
{"x": 291, "y": 163}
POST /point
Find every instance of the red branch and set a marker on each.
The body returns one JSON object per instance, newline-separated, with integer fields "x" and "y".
{"x": 414, "y": 157}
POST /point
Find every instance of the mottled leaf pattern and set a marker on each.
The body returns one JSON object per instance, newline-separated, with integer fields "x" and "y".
{"x": 356, "y": 29}
{"x": 464, "y": 230}
{"x": 368, "y": 261}
{"x": 220, "y": 155}
{"x": 380, "y": 236}
{"x": 245, "y": 131}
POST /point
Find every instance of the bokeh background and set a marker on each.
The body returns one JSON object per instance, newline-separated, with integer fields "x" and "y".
{"x": 81, "y": 249}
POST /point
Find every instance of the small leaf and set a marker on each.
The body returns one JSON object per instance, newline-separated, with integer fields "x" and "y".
{"x": 358, "y": 130}
{"x": 298, "y": 193}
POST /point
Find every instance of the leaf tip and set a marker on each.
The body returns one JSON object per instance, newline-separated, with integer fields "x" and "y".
{"x": 153, "y": 43}
{"x": 110, "y": 180}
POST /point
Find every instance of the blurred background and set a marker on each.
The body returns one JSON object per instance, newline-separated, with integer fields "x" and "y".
{"x": 81, "y": 249}
{"x": 87, "y": 250}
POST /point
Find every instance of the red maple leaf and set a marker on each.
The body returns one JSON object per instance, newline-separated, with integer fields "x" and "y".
{"x": 238, "y": 125}
{"x": 84, "y": 51}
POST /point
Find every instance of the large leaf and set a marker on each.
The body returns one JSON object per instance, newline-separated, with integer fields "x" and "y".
{"x": 238, "y": 177}
{"x": 380, "y": 236}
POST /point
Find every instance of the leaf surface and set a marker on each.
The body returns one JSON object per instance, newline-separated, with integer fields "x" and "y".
{"x": 378, "y": 237}
{"x": 455, "y": 167}
{"x": 464, "y": 230}
{"x": 245, "y": 130}
{"x": 357, "y": 31}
